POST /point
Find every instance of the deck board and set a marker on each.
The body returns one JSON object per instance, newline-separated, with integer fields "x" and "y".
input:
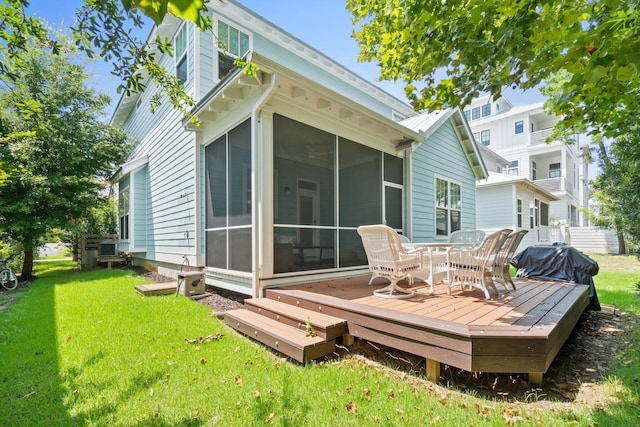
{"x": 518, "y": 330}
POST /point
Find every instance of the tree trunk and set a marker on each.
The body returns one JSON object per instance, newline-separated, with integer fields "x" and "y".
{"x": 27, "y": 266}
{"x": 621, "y": 245}
{"x": 622, "y": 249}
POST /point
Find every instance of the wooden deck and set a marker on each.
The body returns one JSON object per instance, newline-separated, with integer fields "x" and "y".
{"x": 517, "y": 331}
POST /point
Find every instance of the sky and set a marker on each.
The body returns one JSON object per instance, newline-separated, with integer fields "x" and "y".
{"x": 324, "y": 25}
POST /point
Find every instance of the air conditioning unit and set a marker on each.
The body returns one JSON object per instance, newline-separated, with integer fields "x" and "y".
{"x": 107, "y": 248}
{"x": 190, "y": 283}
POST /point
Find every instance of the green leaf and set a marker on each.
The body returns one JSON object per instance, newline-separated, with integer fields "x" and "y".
{"x": 626, "y": 73}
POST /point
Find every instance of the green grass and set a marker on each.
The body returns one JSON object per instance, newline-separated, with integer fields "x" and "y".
{"x": 83, "y": 348}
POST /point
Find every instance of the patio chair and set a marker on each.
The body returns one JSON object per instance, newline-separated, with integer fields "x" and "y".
{"x": 472, "y": 267}
{"x": 500, "y": 269}
{"x": 403, "y": 240}
{"x": 387, "y": 258}
{"x": 467, "y": 236}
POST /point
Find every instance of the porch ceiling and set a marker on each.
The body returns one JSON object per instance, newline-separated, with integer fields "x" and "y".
{"x": 305, "y": 95}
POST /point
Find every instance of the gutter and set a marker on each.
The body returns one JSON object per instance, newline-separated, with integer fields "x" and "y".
{"x": 257, "y": 208}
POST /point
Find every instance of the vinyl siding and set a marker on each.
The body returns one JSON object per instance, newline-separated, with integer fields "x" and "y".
{"x": 168, "y": 199}
{"x": 496, "y": 207}
{"x": 139, "y": 210}
{"x": 439, "y": 156}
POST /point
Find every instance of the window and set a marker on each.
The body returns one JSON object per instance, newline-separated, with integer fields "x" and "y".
{"x": 139, "y": 102}
{"x": 228, "y": 200}
{"x": 476, "y": 137}
{"x": 485, "y": 137}
{"x": 182, "y": 68}
{"x": 467, "y": 114}
{"x": 531, "y": 216}
{"x": 519, "y": 213}
{"x": 475, "y": 113}
{"x": 448, "y": 207}
{"x": 123, "y": 213}
{"x": 519, "y": 126}
{"x": 486, "y": 110}
{"x": 232, "y": 44}
{"x": 554, "y": 170}
{"x": 534, "y": 172}
{"x": 512, "y": 168}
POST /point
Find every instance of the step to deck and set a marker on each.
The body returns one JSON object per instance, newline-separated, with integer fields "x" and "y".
{"x": 322, "y": 325}
{"x": 293, "y": 342}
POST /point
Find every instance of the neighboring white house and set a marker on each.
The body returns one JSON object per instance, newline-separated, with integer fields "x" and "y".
{"x": 270, "y": 189}
{"x": 515, "y": 202}
{"x": 519, "y": 135}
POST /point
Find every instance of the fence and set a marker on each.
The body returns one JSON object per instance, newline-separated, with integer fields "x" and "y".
{"x": 86, "y": 251}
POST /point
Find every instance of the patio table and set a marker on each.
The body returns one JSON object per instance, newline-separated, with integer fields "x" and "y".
{"x": 438, "y": 253}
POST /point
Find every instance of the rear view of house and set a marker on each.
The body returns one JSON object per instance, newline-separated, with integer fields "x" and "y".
{"x": 285, "y": 165}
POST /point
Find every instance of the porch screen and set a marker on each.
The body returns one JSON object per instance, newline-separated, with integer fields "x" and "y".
{"x": 325, "y": 186}
{"x": 228, "y": 200}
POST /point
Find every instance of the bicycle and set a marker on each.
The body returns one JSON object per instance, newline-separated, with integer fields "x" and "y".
{"x": 8, "y": 279}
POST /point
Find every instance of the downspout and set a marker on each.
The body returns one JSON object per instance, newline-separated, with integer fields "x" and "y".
{"x": 256, "y": 209}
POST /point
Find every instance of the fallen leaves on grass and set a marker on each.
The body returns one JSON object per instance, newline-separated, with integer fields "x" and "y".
{"x": 201, "y": 340}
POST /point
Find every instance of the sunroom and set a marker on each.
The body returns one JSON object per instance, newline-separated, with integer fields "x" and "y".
{"x": 289, "y": 171}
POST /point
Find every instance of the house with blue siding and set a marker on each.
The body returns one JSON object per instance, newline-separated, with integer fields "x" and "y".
{"x": 270, "y": 187}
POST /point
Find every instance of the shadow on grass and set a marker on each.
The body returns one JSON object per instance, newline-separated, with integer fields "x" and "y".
{"x": 31, "y": 390}
{"x": 34, "y": 389}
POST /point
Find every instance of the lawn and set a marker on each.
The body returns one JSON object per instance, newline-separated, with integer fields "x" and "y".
{"x": 83, "y": 348}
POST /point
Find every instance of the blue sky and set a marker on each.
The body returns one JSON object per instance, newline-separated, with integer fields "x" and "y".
{"x": 324, "y": 25}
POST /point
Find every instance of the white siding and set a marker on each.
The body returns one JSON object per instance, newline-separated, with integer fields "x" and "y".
{"x": 594, "y": 239}
{"x": 495, "y": 207}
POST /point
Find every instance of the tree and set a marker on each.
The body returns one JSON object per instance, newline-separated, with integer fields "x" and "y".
{"x": 61, "y": 151}
{"x": 448, "y": 52}
{"x": 618, "y": 186}
{"x": 101, "y": 30}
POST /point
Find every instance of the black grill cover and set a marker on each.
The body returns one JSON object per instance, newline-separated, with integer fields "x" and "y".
{"x": 558, "y": 263}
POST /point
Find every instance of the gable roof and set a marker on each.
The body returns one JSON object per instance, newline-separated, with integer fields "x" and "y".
{"x": 497, "y": 179}
{"x": 429, "y": 123}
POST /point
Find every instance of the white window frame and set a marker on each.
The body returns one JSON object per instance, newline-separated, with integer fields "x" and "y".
{"x": 485, "y": 137}
{"x": 446, "y": 206}
{"x": 223, "y": 46}
{"x": 180, "y": 43}
{"x": 519, "y": 127}
{"x": 512, "y": 168}
{"x": 519, "y": 212}
{"x": 124, "y": 214}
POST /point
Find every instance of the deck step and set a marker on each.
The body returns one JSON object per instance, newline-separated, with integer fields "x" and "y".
{"x": 286, "y": 339}
{"x": 322, "y": 325}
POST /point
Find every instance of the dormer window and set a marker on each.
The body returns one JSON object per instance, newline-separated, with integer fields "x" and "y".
{"x": 232, "y": 44}
{"x": 486, "y": 110}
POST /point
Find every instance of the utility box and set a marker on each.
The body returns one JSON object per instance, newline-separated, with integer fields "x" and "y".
{"x": 190, "y": 283}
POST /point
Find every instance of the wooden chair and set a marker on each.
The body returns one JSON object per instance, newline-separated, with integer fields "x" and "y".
{"x": 472, "y": 267}
{"x": 387, "y": 258}
{"x": 500, "y": 268}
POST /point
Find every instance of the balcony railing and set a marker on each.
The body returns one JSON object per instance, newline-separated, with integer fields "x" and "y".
{"x": 556, "y": 184}
{"x": 550, "y": 235}
{"x": 539, "y": 137}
